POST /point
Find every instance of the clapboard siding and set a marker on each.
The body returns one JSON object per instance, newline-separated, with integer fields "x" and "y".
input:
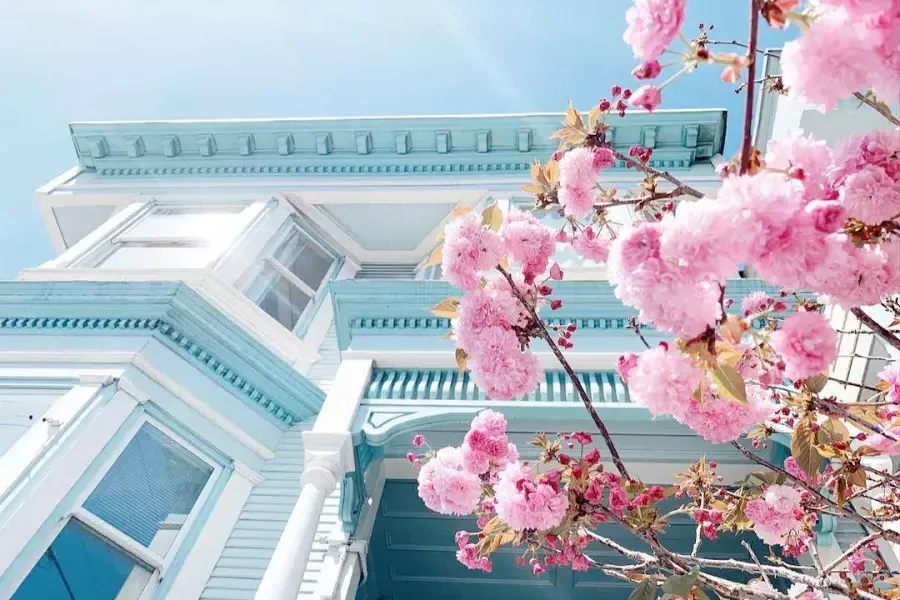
{"x": 243, "y": 562}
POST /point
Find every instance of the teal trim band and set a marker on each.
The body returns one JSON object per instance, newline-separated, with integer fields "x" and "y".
{"x": 177, "y": 316}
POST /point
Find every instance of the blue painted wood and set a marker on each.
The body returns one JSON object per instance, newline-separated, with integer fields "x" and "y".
{"x": 179, "y": 318}
{"x": 398, "y": 146}
{"x": 412, "y": 550}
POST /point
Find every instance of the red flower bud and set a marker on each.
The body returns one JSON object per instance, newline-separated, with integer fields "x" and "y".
{"x": 555, "y": 304}
{"x": 616, "y": 90}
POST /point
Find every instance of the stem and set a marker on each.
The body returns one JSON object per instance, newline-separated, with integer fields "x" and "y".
{"x": 737, "y": 43}
{"x": 859, "y": 544}
{"x": 576, "y": 381}
{"x": 879, "y": 107}
{"x": 835, "y": 407}
{"x": 746, "y": 144}
{"x": 656, "y": 173}
{"x": 872, "y": 324}
{"x": 756, "y": 560}
{"x": 888, "y": 535}
{"x": 859, "y": 385}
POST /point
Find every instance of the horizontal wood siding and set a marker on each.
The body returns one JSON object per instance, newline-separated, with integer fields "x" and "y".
{"x": 246, "y": 555}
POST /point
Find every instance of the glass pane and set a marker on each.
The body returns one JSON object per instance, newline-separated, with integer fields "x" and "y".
{"x": 158, "y": 257}
{"x": 305, "y": 259}
{"x": 150, "y": 489}
{"x": 81, "y": 565}
{"x": 211, "y": 224}
{"x": 282, "y": 301}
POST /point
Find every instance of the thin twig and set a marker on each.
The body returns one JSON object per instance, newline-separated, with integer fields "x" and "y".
{"x": 876, "y": 327}
{"x": 880, "y": 108}
{"x": 856, "y": 546}
{"x": 576, "y": 381}
{"x": 747, "y": 141}
{"x": 737, "y": 43}
{"x": 765, "y": 576}
{"x": 690, "y": 191}
{"x": 837, "y": 408}
{"x": 861, "y": 386}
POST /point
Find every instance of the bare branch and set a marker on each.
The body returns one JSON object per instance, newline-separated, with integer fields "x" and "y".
{"x": 876, "y": 327}
{"x": 856, "y": 546}
{"x": 747, "y": 142}
{"x": 879, "y": 107}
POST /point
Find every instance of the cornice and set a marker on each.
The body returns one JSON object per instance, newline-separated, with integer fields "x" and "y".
{"x": 178, "y": 317}
{"x": 452, "y": 145}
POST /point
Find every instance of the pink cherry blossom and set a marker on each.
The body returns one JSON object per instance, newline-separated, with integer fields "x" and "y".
{"x": 479, "y": 309}
{"x": 469, "y": 249}
{"x": 647, "y": 70}
{"x": 591, "y": 246}
{"x": 828, "y": 216}
{"x": 890, "y": 374}
{"x": 418, "y": 440}
{"x": 883, "y": 443}
{"x": 500, "y": 368}
{"x": 799, "y": 591}
{"x": 807, "y": 344}
{"x": 485, "y": 442}
{"x": 719, "y": 419}
{"x": 852, "y": 276}
{"x": 793, "y": 467}
{"x": 524, "y": 501}
{"x": 663, "y": 381}
{"x": 700, "y": 240}
{"x": 446, "y": 486}
{"x": 803, "y": 152}
{"x": 856, "y": 562}
{"x": 830, "y": 61}
{"x": 625, "y": 364}
{"x": 528, "y": 242}
{"x": 652, "y": 25}
{"x": 468, "y": 556}
{"x": 579, "y": 174}
{"x": 879, "y": 148}
{"x": 646, "y": 97}
{"x": 774, "y": 515}
{"x": 756, "y": 302}
{"x": 871, "y": 196}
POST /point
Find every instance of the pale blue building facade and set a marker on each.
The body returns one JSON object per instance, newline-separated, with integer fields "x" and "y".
{"x": 211, "y": 391}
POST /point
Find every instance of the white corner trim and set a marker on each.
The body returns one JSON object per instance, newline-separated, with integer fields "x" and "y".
{"x": 246, "y": 472}
{"x": 444, "y": 359}
{"x": 139, "y": 395}
{"x": 98, "y": 379}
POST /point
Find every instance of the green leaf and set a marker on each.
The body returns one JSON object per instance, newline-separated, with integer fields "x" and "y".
{"x": 645, "y": 590}
{"x": 731, "y": 382}
{"x": 680, "y": 585}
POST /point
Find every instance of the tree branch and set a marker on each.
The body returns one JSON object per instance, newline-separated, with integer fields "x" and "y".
{"x": 856, "y": 546}
{"x": 879, "y": 107}
{"x": 576, "y": 381}
{"x": 747, "y": 141}
{"x": 876, "y": 327}
{"x": 688, "y": 190}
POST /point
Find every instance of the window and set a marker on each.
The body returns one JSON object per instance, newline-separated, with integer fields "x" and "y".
{"x": 168, "y": 237}
{"x": 293, "y": 278}
{"x": 129, "y": 525}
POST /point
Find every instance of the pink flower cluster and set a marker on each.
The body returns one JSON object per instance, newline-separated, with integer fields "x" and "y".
{"x": 677, "y": 298}
{"x": 526, "y": 500}
{"x": 865, "y": 174}
{"x": 579, "y": 174}
{"x": 590, "y": 245}
{"x": 469, "y": 249}
{"x": 446, "y": 486}
{"x": 850, "y": 46}
{"x": 484, "y": 329}
{"x": 467, "y": 554}
{"x": 528, "y": 242}
{"x": 890, "y": 374}
{"x": 777, "y": 514}
{"x": 652, "y": 25}
{"x": 807, "y": 344}
{"x": 486, "y": 445}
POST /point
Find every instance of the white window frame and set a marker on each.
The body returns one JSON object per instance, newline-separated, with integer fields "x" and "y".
{"x": 256, "y": 281}
{"x": 98, "y": 251}
{"x": 156, "y": 564}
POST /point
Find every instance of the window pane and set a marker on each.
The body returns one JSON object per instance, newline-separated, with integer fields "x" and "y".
{"x": 211, "y": 224}
{"x": 282, "y": 301}
{"x": 150, "y": 488}
{"x": 305, "y": 259}
{"x": 158, "y": 257}
{"x": 79, "y": 565}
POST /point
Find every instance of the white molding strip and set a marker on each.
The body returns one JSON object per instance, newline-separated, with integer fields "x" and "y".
{"x": 443, "y": 359}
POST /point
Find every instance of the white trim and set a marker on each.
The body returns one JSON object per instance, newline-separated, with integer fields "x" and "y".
{"x": 146, "y": 367}
{"x": 247, "y": 473}
{"x": 29, "y": 448}
{"x": 191, "y": 578}
{"x": 117, "y": 538}
{"x": 139, "y": 395}
{"x": 439, "y": 359}
{"x": 23, "y": 522}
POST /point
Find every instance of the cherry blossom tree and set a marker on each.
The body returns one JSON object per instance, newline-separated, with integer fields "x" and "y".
{"x": 805, "y": 216}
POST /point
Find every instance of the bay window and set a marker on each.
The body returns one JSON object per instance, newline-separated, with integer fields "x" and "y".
{"x": 117, "y": 543}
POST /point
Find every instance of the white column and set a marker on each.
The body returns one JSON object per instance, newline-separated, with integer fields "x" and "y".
{"x": 328, "y": 454}
{"x": 284, "y": 574}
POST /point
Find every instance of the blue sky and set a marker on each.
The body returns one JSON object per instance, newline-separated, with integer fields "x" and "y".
{"x": 63, "y": 61}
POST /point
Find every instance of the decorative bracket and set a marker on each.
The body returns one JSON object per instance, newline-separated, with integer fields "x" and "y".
{"x": 353, "y": 488}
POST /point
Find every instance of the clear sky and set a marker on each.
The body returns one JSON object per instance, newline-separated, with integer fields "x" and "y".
{"x": 63, "y": 61}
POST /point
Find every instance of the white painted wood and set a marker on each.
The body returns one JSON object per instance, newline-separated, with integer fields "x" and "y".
{"x": 28, "y": 514}
{"x": 339, "y": 410}
{"x": 136, "y": 549}
{"x": 199, "y": 564}
{"x": 30, "y": 447}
